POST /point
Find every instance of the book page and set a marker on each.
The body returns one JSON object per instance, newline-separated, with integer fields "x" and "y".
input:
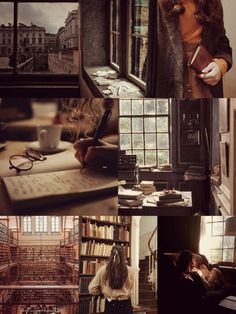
{"x": 57, "y": 183}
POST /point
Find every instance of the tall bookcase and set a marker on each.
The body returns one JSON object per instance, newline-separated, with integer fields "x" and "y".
{"x": 97, "y": 236}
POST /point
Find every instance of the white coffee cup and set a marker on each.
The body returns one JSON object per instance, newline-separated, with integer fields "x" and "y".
{"x": 49, "y": 136}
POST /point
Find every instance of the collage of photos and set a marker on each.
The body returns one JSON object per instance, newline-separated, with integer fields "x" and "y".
{"x": 117, "y": 157}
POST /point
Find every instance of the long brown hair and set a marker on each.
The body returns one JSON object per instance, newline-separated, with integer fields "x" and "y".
{"x": 116, "y": 270}
{"x": 208, "y": 11}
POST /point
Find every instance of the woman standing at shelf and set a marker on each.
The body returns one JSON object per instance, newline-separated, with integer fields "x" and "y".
{"x": 115, "y": 281}
{"x": 181, "y": 26}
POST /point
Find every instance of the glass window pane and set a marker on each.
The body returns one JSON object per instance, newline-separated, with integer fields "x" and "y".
{"x": 228, "y": 256}
{"x": 150, "y": 140}
{"x": 125, "y": 125}
{"x": 216, "y": 256}
{"x": 138, "y": 38}
{"x": 6, "y": 37}
{"x": 137, "y": 141}
{"x": 162, "y": 106}
{"x": 150, "y": 157}
{"x": 125, "y": 107}
{"x": 218, "y": 218}
{"x": 140, "y": 156}
{"x": 137, "y": 107}
{"x": 137, "y": 125}
{"x": 216, "y": 242}
{"x": 162, "y": 124}
{"x": 115, "y": 31}
{"x": 48, "y": 43}
{"x": 228, "y": 242}
{"x": 149, "y": 106}
{"x": 125, "y": 141}
{"x": 217, "y": 228}
{"x": 163, "y": 157}
{"x": 150, "y": 124}
{"x": 163, "y": 141}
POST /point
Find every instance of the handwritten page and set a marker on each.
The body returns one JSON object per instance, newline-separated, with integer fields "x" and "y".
{"x": 69, "y": 182}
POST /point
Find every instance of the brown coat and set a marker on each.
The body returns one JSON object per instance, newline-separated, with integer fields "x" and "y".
{"x": 170, "y": 64}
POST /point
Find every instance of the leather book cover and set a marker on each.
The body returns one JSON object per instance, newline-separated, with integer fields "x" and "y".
{"x": 200, "y": 58}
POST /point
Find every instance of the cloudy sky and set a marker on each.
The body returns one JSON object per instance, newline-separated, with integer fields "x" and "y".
{"x": 50, "y": 15}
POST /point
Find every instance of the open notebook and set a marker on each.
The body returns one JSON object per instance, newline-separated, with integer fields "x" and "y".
{"x": 55, "y": 180}
{"x": 35, "y": 190}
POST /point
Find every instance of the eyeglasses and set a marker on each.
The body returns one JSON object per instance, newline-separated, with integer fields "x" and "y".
{"x": 25, "y": 162}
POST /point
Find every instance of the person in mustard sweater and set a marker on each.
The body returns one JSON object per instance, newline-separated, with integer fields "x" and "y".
{"x": 115, "y": 281}
{"x": 181, "y": 25}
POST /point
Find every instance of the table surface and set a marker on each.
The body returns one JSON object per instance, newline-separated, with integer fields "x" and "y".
{"x": 103, "y": 205}
{"x": 149, "y": 208}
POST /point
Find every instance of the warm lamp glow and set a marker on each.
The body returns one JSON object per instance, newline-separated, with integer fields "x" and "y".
{"x": 230, "y": 226}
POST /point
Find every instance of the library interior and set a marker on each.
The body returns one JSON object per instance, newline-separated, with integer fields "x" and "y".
{"x": 47, "y": 262}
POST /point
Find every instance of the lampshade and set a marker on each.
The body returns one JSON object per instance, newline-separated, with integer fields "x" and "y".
{"x": 230, "y": 226}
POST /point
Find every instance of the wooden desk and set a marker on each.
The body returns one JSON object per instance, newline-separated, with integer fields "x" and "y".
{"x": 149, "y": 209}
{"x": 103, "y": 205}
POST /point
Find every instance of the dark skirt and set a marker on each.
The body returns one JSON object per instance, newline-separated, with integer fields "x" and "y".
{"x": 194, "y": 86}
{"x": 118, "y": 307}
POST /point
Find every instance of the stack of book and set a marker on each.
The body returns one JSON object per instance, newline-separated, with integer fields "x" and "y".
{"x": 131, "y": 198}
{"x": 147, "y": 187}
{"x": 195, "y": 173}
{"x": 168, "y": 197}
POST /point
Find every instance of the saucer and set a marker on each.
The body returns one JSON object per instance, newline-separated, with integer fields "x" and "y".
{"x": 61, "y": 147}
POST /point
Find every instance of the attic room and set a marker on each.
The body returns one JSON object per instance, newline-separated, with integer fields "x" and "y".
{"x": 183, "y": 148}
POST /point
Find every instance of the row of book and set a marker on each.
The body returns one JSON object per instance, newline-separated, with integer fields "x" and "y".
{"x": 91, "y": 267}
{"x": 84, "y": 283}
{"x": 112, "y": 232}
{"x": 114, "y": 219}
{"x": 99, "y": 249}
{"x": 92, "y": 304}
{"x": 85, "y": 305}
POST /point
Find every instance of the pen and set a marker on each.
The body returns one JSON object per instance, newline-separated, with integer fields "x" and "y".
{"x": 100, "y": 128}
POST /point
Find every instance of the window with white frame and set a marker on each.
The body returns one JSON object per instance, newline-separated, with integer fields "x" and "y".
{"x": 27, "y": 224}
{"x": 213, "y": 243}
{"x": 41, "y": 224}
{"x": 144, "y": 130}
{"x": 55, "y": 224}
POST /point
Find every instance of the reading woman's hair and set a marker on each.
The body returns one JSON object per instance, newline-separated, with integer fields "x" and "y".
{"x": 116, "y": 270}
{"x": 184, "y": 260}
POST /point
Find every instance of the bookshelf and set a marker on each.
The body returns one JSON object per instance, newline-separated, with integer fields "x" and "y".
{"x": 97, "y": 235}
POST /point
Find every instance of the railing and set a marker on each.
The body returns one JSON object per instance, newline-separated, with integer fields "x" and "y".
{"x": 152, "y": 246}
{"x": 26, "y": 66}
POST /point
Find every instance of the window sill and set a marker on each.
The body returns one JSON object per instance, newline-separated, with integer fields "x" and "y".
{"x": 118, "y": 87}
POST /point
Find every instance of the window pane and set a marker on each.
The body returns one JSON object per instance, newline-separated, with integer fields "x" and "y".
{"x": 150, "y": 124}
{"x": 125, "y": 141}
{"x": 115, "y": 31}
{"x": 216, "y": 242}
{"x": 217, "y": 228}
{"x": 150, "y": 157}
{"x": 140, "y": 156}
{"x": 125, "y": 107}
{"x": 216, "y": 256}
{"x": 137, "y": 107}
{"x": 163, "y": 141}
{"x": 125, "y": 125}
{"x": 139, "y": 38}
{"x": 137, "y": 141}
{"x": 6, "y": 37}
{"x": 150, "y": 140}
{"x": 163, "y": 157}
{"x": 162, "y": 124}
{"x": 149, "y": 106}
{"x": 228, "y": 256}
{"x": 228, "y": 242}
{"x": 48, "y": 43}
{"x": 137, "y": 124}
{"x": 162, "y": 106}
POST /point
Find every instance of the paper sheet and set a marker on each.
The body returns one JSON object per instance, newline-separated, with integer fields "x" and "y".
{"x": 57, "y": 183}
